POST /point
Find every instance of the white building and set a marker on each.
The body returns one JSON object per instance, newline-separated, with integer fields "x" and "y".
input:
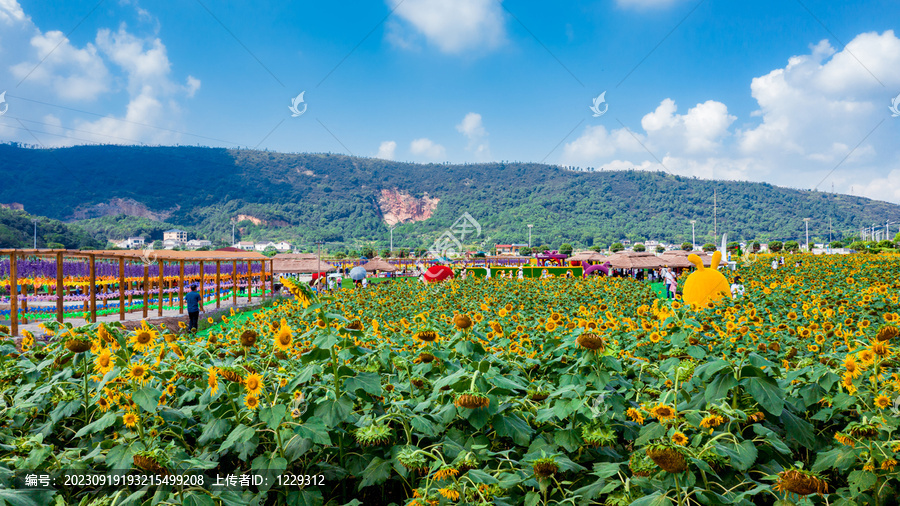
{"x": 261, "y": 246}
{"x": 244, "y": 245}
{"x": 131, "y": 243}
{"x": 283, "y": 246}
{"x": 170, "y": 243}
{"x": 197, "y": 243}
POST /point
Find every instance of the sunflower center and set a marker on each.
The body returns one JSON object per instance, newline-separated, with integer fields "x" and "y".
{"x": 144, "y": 337}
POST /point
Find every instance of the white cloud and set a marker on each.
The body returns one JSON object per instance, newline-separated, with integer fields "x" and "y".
{"x": 116, "y": 62}
{"x": 72, "y": 73}
{"x": 386, "y": 150}
{"x": 427, "y": 148}
{"x": 813, "y": 113}
{"x": 11, "y": 12}
{"x": 453, "y": 26}
{"x": 472, "y": 127}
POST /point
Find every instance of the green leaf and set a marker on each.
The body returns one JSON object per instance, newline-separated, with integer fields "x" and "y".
{"x": 504, "y": 383}
{"x": 377, "y": 472}
{"x": 650, "y": 432}
{"x": 840, "y": 458}
{"x": 766, "y": 392}
{"x": 241, "y": 432}
{"x": 861, "y": 481}
{"x": 102, "y": 423}
{"x": 368, "y": 382}
{"x": 696, "y": 352}
{"x": 147, "y": 398}
{"x": 654, "y": 499}
{"x": 214, "y": 429}
{"x": 273, "y": 415}
{"x": 333, "y": 412}
{"x": 120, "y": 457}
{"x": 717, "y": 389}
{"x": 567, "y": 438}
{"x": 197, "y": 499}
{"x": 479, "y": 476}
{"x": 26, "y": 497}
{"x": 798, "y": 428}
{"x": 742, "y": 456}
{"x": 316, "y": 430}
{"x": 708, "y": 369}
{"x": 513, "y": 427}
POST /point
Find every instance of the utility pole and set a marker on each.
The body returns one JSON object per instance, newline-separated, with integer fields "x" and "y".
{"x": 319, "y": 258}
{"x": 35, "y": 232}
{"x": 529, "y": 235}
{"x": 232, "y": 231}
{"x": 693, "y": 236}
{"x": 806, "y": 221}
{"x": 715, "y": 215}
{"x": 392, "y": 237}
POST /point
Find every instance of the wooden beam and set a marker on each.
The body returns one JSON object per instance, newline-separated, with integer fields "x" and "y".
{"x": 249, "y": 281}
{"x": 202, "y": 283}
{"x": 59, "y": 287}
{"x": 92, "y": 291}
{"x": 181, "y": 287}
{"x": 159, "y": 289}
{"x": 272, "y": 277}
{"x": 121, "y": 289}
{"x": 13, "y": 295}
{"x": 146, "y": 289}
{"x": 234, "y": 282}
{"x": 218, "y": 275}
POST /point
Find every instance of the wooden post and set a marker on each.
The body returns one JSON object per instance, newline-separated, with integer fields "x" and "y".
{"x": 146, "y": 288}
{"x": 249, "y": 281}
{"x": 92, "y": 291}
{"x": 218, "y": 275}
{"x": 272, "y": 277}
{"x": 59, "y": 287}
{"x": 159, "y": 289}
{"x": 121, "y": 289}
{"x": 234, "y": 282}
{"x": 181, "y": 287}
{"x": 13, "y": 295}
{"x": 202, "y": 283}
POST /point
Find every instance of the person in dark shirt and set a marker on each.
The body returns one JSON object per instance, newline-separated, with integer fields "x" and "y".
{"x": 194, "y": 306}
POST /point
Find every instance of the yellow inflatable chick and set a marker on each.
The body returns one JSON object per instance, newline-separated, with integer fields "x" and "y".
{"x": 705, "y": 285}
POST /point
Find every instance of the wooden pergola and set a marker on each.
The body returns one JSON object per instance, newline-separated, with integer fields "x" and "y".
{"x": 160, "y": 258}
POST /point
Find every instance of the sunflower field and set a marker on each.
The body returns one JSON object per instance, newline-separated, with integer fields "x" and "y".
{"x": 491, "y": 391}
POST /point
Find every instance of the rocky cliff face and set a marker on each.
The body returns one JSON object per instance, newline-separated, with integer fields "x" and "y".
{"x": 400, "y": 207}
{"x": 121, "y": 206}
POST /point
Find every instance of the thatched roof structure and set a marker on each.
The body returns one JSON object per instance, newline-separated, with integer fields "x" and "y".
{"x": 377, "y": 264}
{"x": 587, "y": 256}
{"x": 301, "y": 266}
{"x": 634, "y": 260}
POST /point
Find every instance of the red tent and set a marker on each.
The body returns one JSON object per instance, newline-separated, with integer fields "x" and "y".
{"x": 438, "y": 273}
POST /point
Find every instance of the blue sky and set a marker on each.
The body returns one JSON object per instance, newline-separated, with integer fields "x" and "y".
{"x": 795, "y": 93}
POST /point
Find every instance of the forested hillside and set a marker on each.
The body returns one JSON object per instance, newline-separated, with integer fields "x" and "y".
{"x": 334, "y": 198}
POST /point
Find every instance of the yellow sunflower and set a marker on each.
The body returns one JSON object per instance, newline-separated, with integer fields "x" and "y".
{"x": 138, "y": 372}
{"x": 251, "y": 401}
{"x": 882, "y": 401}
{"x": 103, "y": 363}
{"x": 679, "y": 439}
{"x": 663, "y": 412}
{"x": 143, "y": 338}
{"x": 254, "y": 384}
{"x": 213, "y": 379}
{"x": 284, "y": 339}
{"x": 130, "y": 419}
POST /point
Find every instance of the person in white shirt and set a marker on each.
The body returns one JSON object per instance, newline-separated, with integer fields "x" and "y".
{"x": 365, "y": 282}
{"x": 671, "y": 283}
{"x": 775, "y": 264}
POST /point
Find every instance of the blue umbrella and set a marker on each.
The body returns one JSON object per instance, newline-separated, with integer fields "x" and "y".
{"x": 357, "y": 273}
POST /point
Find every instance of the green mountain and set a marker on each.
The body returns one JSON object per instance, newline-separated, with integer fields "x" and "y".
{"x": 17, "y": 230}
{"x": 343, "y": 200}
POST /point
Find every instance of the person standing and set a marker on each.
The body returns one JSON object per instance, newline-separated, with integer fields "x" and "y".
{"x": 775, "y": 264}
{"x": 671, "y": 283}
{"x": 194, "y": 307}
